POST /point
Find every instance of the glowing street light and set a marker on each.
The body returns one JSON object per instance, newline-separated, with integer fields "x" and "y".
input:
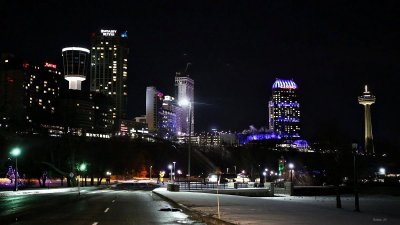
{"x": 291, "y": 167}
{"x": 16, "y": 152}
{"x": 170, "y": 167}
{"x": 265, "y": 173}
{"x": 382, "y": 171}
{"x": 174, "y": 171}
{"x": 82, "y": 167}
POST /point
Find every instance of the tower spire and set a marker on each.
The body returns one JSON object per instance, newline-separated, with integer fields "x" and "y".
{"x": 367, "y": 99}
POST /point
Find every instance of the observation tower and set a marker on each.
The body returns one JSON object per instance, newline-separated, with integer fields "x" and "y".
{"x": 367, "y": 99}
{"x": 75, "y": 62}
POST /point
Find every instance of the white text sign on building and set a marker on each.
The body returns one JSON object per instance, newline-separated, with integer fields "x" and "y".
{"x": 110, "y": 33}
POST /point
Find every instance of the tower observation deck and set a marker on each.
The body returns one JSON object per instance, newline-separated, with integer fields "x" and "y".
{"x": 367, "y": 99}
{"x": 75, "y": 62}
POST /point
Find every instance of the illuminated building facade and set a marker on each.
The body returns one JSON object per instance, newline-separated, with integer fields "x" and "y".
{"x": 42, "y": 89}
{"x": 160, "y": 114}
{"x": 109, "y": 68}
{"x": 367, "y": 99}
{"x": 184, "y": 89}
{"x": 168, "y": 117}
{"x": 154, "y": 100}
{"x": 75, "y": 65}
{"x": 284, "y": 109}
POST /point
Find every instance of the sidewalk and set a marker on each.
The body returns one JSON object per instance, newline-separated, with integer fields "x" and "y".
{"x": 46, "y": 191}
{"x": 288, "y": 209}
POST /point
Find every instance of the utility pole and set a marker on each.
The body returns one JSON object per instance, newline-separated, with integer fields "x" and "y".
{"x": 356, "y": 199}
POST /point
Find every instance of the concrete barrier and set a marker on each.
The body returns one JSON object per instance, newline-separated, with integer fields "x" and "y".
{"x": 172, "y": 187}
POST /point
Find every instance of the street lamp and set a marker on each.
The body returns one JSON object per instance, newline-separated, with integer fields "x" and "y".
{"x": 16, "y": 152}
{"x": 108, "y": 174}
{"x": 382, "y": 171}
{"x": 266, "y": 173}
{"x": 174, "y": 171}
{"x": 265, "y": 176}
{"x": 354, "y": 147}
{"x": 170, "y": 167}
{"x": 291, "y": 167}
{"x": 187, "y": 103}
{"x": 179, "y": 174}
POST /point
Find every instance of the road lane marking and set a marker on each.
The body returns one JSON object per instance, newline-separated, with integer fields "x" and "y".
{"x": 95, "y": 223}
{"x": 113, "y": 200}
{"x": 106, "y": 210}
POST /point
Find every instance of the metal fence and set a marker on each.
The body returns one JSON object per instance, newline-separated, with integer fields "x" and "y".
{"x": 187, "y": 186}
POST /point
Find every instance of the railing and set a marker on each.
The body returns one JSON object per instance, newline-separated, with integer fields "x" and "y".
{"x": 195, "y": 185}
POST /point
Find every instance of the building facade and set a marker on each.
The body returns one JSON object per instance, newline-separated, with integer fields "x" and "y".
{"x": 109, "y": 68}
{"x": 154, "y": 99}
{"x": 12, "y": 94}
{"x": 184, "y": 91}
{"x": 284, "y": 109}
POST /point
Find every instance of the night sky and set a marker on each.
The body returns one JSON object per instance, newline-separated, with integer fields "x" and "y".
{"x": 237, "y": 49}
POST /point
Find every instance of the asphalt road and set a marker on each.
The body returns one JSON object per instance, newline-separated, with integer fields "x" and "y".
{"x": 97, "y": 207}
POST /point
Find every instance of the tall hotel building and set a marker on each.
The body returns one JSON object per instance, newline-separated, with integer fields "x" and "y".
{"x": 184, "y": 89}
{"x": 109, "y": 68}
{"x": 284, "y": 109}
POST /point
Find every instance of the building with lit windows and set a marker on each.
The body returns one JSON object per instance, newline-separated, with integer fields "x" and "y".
{"x": 109, "y": 68}
{"x": 154, "y": 100}
{"x": 168, "y": 117}
{"x": 75, "y": 61}
{"x": 184, "y": 91}
{"x": 28, "y": 94}
{"x": 284, "y": 109}
{"x": 161, "y": 114}
{"x": 42, "y": 88}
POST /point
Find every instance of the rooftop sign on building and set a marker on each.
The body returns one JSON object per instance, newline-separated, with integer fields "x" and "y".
{"x": 110, "y": 33}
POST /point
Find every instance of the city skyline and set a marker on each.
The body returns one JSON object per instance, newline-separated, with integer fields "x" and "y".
{"x": 330, "y": 50}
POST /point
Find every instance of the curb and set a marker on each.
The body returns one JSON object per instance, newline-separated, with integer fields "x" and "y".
{"x": 201, "y": 217}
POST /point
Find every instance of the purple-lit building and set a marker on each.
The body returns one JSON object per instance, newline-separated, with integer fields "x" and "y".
{"x": 161, "y": 113}
{"x": 284, "y": 109}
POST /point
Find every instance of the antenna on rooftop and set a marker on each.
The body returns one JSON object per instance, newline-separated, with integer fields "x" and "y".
{"x": 187, "y": 66}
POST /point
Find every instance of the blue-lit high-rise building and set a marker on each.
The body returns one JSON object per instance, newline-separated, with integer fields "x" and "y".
{"x": 284, "y": 109}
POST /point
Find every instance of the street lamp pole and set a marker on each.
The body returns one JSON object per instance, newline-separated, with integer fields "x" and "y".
{"x": 170, "y": 174}
{"x": 150, "y": 171}
{"x": 355, "y": 184}
{"x": 174, "y": 172}
{"x": 190, "y": 134}
{"x": 291, "y": 166}
{"x": 16, "y": 152}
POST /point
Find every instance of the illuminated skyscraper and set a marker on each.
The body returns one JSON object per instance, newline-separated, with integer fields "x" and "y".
{"x": 75, "y": 60}
{"x": 367, "y": 99}
{"x": 109, "y": 68}
{"x": 284, "y": 109}
{"x": 185, "y": 93}
{"x": 154, "y": 100}
{"x": 160, "y": 113}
